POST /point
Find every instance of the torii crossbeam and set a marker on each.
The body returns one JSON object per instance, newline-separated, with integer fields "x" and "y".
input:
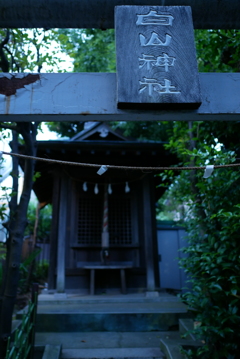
{"x": 92, "y": 96}
{"x": 207, "y": 14}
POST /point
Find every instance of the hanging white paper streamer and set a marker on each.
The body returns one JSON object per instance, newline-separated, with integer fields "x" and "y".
{"x": 127, "y": 189}
{"x": 102, "y": 170}
{"x": 109, "y": 189}
{"x": 208, "y": 171}
{"x": 84, "y": 186}
{"x": 96, "y": 189}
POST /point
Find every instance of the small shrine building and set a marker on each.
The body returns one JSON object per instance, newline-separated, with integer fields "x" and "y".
{"x": 85, "y": 204}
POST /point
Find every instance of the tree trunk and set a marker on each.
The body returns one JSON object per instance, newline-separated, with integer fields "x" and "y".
{"x": 12, "y": 207}
{"x": 34, "y": 240}
{"x": 17, "y": 225}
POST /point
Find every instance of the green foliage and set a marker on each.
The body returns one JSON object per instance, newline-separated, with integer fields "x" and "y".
{"x": 40, "y": 273}
{"x": 28, "y": 50}
{"x": 214, "y": 262}
{"x": 32, "y": 271}
{"x": 218, "y": 50}
{"x": 25, "y": 270}
{"x": 2, "y": 251}
{"x": 66, "y": 129}
{"x": 145, "y": 130}
{"x": 2, "y": 257}
{"x": 93, "y": 50}
{"x": 4, "y": 198}
{"x": 36, "y": 176}
{"x": 26, "y": 263}
{"x": 21, "y": 345}
{"x": 44, "y": 223}
{"x": 170, "y": 207}
{"x": 212, "y": 214}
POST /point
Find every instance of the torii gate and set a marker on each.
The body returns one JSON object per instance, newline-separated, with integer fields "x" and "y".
{"x": 88, "y": 96}
{"x": 93, "y": 96}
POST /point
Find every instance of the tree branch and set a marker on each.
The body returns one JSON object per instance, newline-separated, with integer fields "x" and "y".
{"x": 5, "y": 41}
{"x": 4, "y": 63}
{"x": 9, "y": 127}
{"x": 13, "y": 60}
{"x": 34, "y": 127}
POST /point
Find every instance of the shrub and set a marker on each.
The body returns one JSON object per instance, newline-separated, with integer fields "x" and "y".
{"x": 41, "y": 272}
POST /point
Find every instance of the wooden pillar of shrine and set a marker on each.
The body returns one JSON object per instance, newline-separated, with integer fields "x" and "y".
{"x": 149, "y": 234}
{"x": 54, "y": 232}
{"x": 62, "y": 226}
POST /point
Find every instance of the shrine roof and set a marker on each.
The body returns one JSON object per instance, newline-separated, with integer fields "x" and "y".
{"x": 97, "y": 144}
{"x": 98, "y": 131}
{"x": 98, "y": 135}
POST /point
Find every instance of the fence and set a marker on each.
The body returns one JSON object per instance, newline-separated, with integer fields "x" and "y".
{"x": 23, "y": 344}
{"x": 28, "y": 248}
{"x": 171, "y": 239}
{"x": 44, "y": 255}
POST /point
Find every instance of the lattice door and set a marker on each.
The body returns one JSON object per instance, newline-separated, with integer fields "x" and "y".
{"x": 90, "y": 217}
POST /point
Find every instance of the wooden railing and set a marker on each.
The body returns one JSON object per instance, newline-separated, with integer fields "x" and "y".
{"x": 23, "y": 345}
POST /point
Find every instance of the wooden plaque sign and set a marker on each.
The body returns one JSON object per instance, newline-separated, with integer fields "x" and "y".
{"x": 156, "y": 57}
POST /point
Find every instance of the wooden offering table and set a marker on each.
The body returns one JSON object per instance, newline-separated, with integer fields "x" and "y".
{"x": 120, "y": 267}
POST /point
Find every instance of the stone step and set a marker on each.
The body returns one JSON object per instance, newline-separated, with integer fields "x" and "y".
{"x": 113, "y": 353}
{"x": 142, "y": 345}
{"x": 114, "y": 307}
{"x": 172, "y": 348}
{"x": 185, "y": 327}
{"x": 65, "y": 299}
{"x": 52, "y": 352}
{"x": 107, "y": 322}
{"x": 120, "y": 317}
{"x": 104, "y": 340}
